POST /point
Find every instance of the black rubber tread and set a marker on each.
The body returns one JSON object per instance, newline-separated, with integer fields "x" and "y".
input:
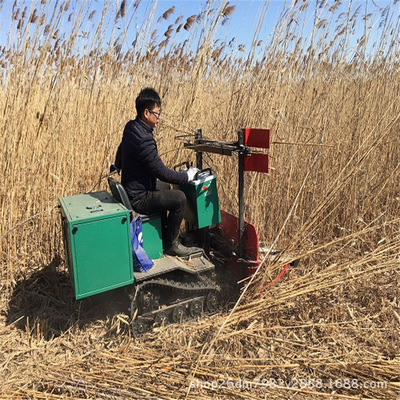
{"x": 202, "y": 288}
{"x": 206, "y": 284}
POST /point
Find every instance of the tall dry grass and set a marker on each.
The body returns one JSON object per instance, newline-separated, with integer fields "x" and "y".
{"x": 332, "y": 196}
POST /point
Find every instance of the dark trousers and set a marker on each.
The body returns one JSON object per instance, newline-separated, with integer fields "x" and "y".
{"x": 170, "y": 204}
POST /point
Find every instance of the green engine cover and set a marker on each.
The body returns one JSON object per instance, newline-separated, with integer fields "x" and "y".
{"x": 152, "y": 236}
{"x": 202, "y": 201}
{"x": 96, "y": 234}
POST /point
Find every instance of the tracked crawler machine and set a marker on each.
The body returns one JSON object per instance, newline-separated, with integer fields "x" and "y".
{"x": 97, "y": 242}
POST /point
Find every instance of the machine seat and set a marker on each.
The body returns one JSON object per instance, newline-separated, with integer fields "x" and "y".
{"x": 121, "y": 196}
{"x": 151, "y": 224}
{"x": 119, "y": 193}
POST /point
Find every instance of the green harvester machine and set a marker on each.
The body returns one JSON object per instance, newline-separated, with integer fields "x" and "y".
{"x": 98, "y": 250}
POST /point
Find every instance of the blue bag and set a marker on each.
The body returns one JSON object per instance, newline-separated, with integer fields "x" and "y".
{"x": 141, "y": 261}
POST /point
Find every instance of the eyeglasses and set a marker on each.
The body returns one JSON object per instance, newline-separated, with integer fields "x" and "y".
{"x": 157, "y": 114}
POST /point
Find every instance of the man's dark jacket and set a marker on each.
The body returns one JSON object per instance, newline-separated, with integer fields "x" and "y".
{"x": 138, "y": 158}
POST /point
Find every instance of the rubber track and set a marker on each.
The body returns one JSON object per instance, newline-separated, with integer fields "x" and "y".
{"x": 201, "y": 288}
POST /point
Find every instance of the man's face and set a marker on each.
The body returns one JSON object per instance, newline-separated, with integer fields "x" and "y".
{"x": 151, "y": 117}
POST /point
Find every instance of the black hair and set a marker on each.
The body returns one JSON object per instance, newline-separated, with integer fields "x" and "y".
{"x": 148, "y": 98}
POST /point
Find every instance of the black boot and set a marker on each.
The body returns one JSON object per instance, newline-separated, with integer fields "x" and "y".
{"x": 179, "y": 250}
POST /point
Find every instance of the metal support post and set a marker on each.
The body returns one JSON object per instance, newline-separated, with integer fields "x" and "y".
{"x": 241, "y": 192}
{"x": 199, "y": 154}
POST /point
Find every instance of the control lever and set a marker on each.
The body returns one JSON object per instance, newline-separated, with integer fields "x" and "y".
{"x": 203, "y": 173}
{"x": 185, "y": 163}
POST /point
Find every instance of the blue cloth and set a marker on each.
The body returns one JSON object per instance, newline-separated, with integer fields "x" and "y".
{"x": 141, "y": 261}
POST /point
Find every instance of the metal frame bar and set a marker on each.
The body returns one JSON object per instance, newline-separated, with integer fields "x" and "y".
{"x": 200, "y": 145}
{"x": 242, "y": 152}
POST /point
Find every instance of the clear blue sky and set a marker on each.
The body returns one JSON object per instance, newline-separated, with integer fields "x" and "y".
{"x": 241, "y": 25}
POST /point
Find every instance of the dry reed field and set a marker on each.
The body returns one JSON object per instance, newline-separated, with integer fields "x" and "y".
{"x": 328, "y": 329}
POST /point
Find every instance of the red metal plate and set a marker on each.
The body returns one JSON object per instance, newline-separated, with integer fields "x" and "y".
{"x": 256, "y": 162}
{"x": 229, "y": 227}
{"x": 256, "y": 137}
{"x": 229, "y": 230}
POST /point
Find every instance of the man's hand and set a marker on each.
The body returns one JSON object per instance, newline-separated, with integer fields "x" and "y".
{"x": 192, "y": 171}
